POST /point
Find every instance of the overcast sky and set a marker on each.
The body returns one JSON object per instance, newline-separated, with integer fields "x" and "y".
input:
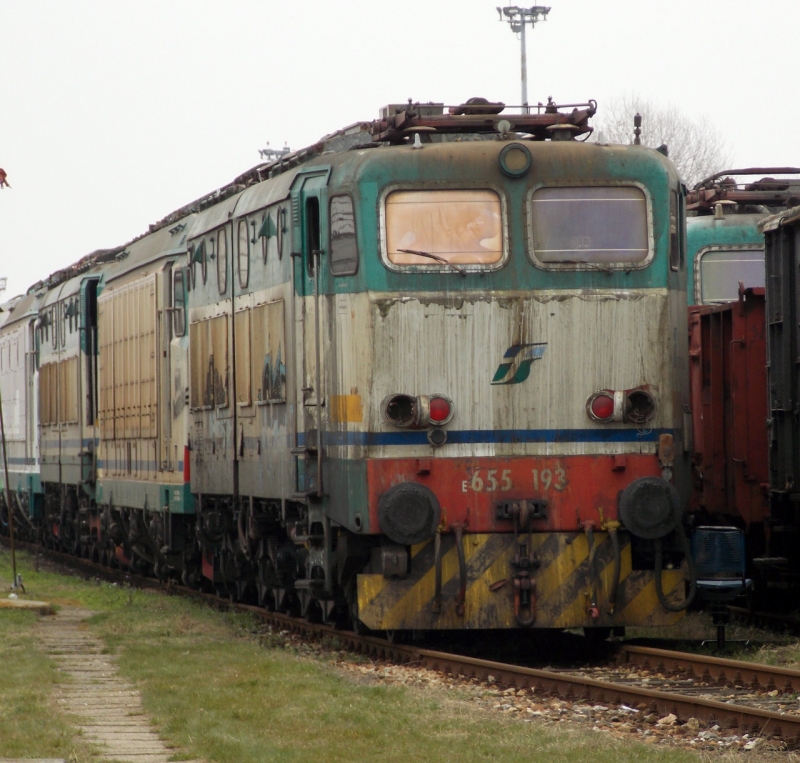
{"x": 113, "y": 113}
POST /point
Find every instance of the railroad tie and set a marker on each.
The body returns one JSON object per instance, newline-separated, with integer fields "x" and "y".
{"x": 108, "y": 709}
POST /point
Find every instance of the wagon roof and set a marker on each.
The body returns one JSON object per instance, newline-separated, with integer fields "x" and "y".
{"x": 773, "y": 222}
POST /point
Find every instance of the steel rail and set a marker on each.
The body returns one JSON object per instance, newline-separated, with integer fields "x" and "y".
{"x": 717, "y": 670}
{"x": 752, "y": 720}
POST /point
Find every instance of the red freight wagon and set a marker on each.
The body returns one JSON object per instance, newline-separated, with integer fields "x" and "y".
{"x": 727, "y": 368}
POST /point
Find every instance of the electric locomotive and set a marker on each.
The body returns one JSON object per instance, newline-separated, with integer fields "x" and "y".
{"x": 725, "y": 246}
{"x": 430, "y": 376}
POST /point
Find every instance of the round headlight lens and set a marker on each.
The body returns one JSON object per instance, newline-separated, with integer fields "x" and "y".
{"x": 515, "y": 160}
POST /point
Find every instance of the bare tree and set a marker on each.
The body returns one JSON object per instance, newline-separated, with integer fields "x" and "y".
{"x": 695, "y": 145}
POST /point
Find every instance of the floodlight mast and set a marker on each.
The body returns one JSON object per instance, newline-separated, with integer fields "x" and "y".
{"x": 518, "y": 18}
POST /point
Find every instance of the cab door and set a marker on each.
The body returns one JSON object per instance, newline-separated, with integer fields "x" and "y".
{"x": 310, "y": 231}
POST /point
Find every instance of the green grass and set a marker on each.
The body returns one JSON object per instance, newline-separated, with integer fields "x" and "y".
{"x": 219, "y": 691}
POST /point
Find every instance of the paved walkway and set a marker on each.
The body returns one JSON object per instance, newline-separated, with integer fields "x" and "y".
{"x": 109, "y": 709}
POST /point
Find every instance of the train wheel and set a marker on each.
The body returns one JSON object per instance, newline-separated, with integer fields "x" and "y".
{"x": 266, "y": 598}
{"x": 313, "y": 612}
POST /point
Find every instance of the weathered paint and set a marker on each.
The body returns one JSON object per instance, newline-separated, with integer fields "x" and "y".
{"x": 564, "y": 586}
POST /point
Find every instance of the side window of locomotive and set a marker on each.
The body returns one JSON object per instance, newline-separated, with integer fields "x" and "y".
{"x": 199, "y": 258}
{"x": 674, "y": 239}
{"x": 429, "y": 229}
{"x": 281, "y": 229}
{"x": 222, "y": 261}
{"x": 312, "y": 231}
{"x": 589, "y": 225}
{"x": 721, "y": 270}
{"x": 264, "y": 234}
{"x": 178, "y": 302}
{"x": 344, "y": 250}
{"x": 243, "y": 253}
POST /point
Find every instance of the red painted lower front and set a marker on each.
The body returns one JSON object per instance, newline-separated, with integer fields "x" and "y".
{"x": 577, "y": 489}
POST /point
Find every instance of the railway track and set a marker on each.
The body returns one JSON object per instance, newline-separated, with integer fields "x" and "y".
{"x": 750, "y": 698}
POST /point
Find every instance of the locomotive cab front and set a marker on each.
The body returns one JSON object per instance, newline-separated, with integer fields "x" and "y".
{"x": 503, "y": 430}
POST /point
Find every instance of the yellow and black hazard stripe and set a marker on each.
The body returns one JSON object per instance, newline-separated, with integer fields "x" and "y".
{"x": 564, "y": 586}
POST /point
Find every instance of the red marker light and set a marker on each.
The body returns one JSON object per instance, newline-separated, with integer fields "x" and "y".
{"x": 440, "y": 410}
{"x": 602, "y": 407}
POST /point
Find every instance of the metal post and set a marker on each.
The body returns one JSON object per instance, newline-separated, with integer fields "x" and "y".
{"x": 8, "y": 497}
{"x": 524, "y": 62}
{"x": 518, "y": 18}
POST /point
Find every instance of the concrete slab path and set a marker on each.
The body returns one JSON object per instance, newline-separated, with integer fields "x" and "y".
{"x": 108, "y": 708}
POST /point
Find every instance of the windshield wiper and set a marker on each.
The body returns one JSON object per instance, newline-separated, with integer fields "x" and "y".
{"x": 435, "y": 257}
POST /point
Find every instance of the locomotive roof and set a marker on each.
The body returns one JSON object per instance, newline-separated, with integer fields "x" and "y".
{"x": 61, "y": 291}
{"x": 7, "y": 307}
{"x": 26, "y": 306}
{"x": 766, "y": 192}
{"x": 143, "y": 252}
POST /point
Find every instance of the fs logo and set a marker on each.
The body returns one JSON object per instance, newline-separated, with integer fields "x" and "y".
{"x": 516, "y": 364}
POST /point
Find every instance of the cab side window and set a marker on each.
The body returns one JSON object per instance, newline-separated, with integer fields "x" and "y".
{"x": 344, "y": 249}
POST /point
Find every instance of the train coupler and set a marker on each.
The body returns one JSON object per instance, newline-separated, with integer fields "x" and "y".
{"x": 524, "y": 562}
{"x": 524, "y": 599}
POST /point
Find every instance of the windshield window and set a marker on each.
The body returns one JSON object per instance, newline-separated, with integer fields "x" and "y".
{"x": 721, "y": 271}
{"x": 464, "y": 227}
{"x": 594, "y": 224}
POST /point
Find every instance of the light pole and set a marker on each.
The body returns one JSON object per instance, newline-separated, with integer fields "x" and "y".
{"x": 518, "y": 18}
